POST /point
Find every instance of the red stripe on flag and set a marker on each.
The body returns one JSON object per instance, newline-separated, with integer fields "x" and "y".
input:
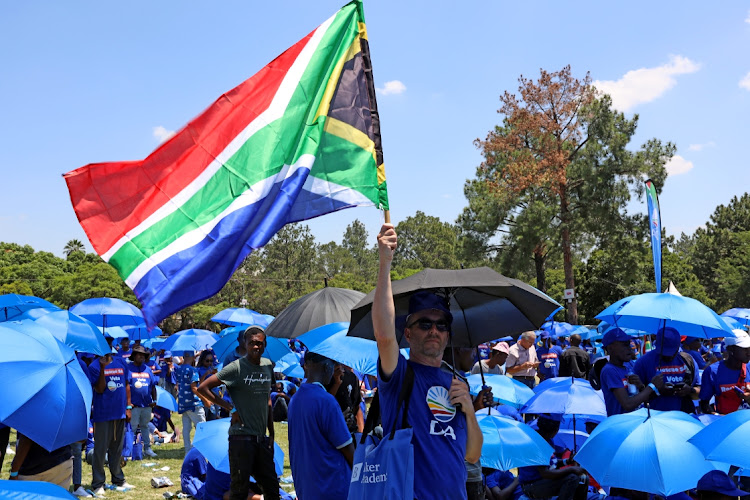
{"x": 111, "y": 199}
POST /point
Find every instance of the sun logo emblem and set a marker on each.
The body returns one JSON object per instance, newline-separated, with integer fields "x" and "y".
{"x": 440, "y": 404}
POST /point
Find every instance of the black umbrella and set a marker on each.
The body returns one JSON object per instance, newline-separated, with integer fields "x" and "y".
{"x": 485, "y": 305}
{"x": 321, "y": 307}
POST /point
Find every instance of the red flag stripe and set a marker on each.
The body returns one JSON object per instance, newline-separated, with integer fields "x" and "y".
{"x": 102, "y": 193}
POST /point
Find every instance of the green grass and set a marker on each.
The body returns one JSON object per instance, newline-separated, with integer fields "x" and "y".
{"x": 170, "y": 455}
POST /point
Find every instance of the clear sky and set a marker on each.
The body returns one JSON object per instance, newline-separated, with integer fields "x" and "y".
{"x": 91, "y": 81}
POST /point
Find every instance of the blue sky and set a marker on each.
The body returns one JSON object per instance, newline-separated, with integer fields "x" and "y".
{"x": 87, "y": 81}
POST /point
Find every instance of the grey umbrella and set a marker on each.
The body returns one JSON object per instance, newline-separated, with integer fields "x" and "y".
{"x": 321, "y": 307}
{"x": 485, "y": 305}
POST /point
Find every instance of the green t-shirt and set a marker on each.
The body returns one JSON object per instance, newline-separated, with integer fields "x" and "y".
{"x": 249, "y": 386}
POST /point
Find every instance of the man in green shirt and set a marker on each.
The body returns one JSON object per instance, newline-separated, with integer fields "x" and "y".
{"x": 248, "y": 381}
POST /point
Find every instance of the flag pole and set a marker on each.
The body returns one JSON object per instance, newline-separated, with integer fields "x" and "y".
{"x": 387, "y": 214}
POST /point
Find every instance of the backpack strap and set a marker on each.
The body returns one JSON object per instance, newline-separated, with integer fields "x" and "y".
{"x": 403, "y": 399}
{"x": 689, "y": 367}
{"x": 372, "y": 417}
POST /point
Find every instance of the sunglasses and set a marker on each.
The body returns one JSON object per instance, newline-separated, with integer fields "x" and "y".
{"x": 426, "y": 325}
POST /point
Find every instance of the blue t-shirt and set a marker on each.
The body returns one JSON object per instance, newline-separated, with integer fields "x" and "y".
{"x": 124, "y": 354}
{"x": 186, "y": 399}
{"x": 166, "y": 374}
{"x": 159, "y": 417}
{"x": 531, "y": 473}
{"x": 549, "y": 360}
{"x": 317, "y": 431}
{"x": 650, "y": 364}
{"x": 502, "y": 479}
{"x": 194, "y": 464}
{"x": 216, "y": 484}
{"x": 142, "y": 382}
{"x": 439, "y": 429}
{"x": 611, "y": 378}
{"x": 110, "y": 405}
{"x": 720, "y": 381}
{"x": 699, "y": 361}
{"x": 151, "y": 363}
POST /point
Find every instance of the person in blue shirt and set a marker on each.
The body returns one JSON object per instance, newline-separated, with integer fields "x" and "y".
{"x": 193, "y": 473}
{"x": 549, "y": 355}
{"x": 206, "y": 367}
{"x": 151, "y": 363}
{"x": 110, "y": 378}
{"x": 545, "y": 482}
{"x": 501, "y": 485}
{"x": 142, "y": 396}
{"x": 616, "y": 374}
{"x": 320, "y": 445}
{"x": 667, "y": 360}
{"x": 691, "y": 345}
{"x": 124, "y": 350}
{"x": 168, "y": 378}
{"x": 189, "y": 404}
{"x": 444, "y": 435}
{"x": 728, "y": 381}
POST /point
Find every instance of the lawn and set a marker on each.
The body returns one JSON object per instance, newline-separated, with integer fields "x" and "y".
{"x": 169, "y": 455}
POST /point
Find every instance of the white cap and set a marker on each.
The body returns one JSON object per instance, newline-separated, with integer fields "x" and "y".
{"x": 740, "y": 339}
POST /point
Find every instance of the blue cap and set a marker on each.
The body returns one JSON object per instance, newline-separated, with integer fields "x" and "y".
{"x": 424, "y": 300}
{"x": 544, "y": 335}
{"x": 667, "y": 341}
{"x": 719, "y": 482}
{"x": 615, "y": 335}
{"x": 690, "y": 340}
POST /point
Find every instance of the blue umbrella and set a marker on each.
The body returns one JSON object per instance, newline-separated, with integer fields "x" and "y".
{"x": 193, "y": 339}
{"x": 115, "y": 332}
{"x": 721, "y": 440}
{"x": 562, "y": 329}
{"x": 733, "y": 323}
{"x": 509, "y": 444}
{"x": 651, "y": 311}
{"x": 73, "y": 331}
{"x": 141, "y": 332}
{"x": 12, "y": 305}
{"x": 212, "y": 440}
{"x": 506, "y": 390}
{"x": 32, "y": 490}
{"x": 739, "y": 314}
{"x": 645, "y": 451}
{"x": 566, "y": 396}
{"x": 106, "y": 312}
{"x": 706, "y": 418}
{"x": 45, "y": 394}
{"x": 276, "y": 348}
{"x": 289, "y": 366}
{"x": 331, "y": 341}
{"x": 165, "y": 399}
{"x": 154, "y": 343}
{"x": 570, "y": 439}
{"x": 232, "y": 331}
{"x": 238, "y": 316}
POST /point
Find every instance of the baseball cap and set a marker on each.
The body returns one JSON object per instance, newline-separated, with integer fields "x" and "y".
{"x": 667, "y": 341}
{"x": 719, "y": 482}
{"x": 689, "y": 340}
{"x": 424, "y": 300}
{"x": 544, "y": 335}
{"x": 167, "y": 354}
{"x": 615, "y": 335}
{"x": 501, "y": 347}
{"x": 740, "y": 339}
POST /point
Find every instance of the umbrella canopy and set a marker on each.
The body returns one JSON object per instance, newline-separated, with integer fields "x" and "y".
{"x": 720, "y": 440}
{"x": 485, "y": 304}
{"x": 738, "y": 313}
{"x": 73, "y": 331}
{"x": 275, "y": 348}
{"x": 562, "y": 329}
{"x": 289, "y": 365}
{"x": 651, "y": 311}
{"x": 566, "y": 396}
{"x": 165, "y": 399}
{"x": 645, "y": 451}
{"x": 192, "y": 339}
{"x": 232, "y": 331}
{"x": 570, "y": 439}
{"x": 332, "y": 342}
{"x": 33, "y": 490}
{"x": 106, "y": 312}
{"x": 504, "y": 389}
{"x": 45, "y": 393}
{"x": 12, "y": 305}
{"x": 212, "y": 440}
{"x": 239, "y": 316}
{"x": 154, "y": 343}
{"x": 116, "y": 332}
{"x": 141, "y": 332}
{"x": 509, "y": 444}
{"x": 321, "y": 307}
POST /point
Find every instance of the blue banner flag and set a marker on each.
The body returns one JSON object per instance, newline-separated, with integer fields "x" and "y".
{"x": 654, "y": 223}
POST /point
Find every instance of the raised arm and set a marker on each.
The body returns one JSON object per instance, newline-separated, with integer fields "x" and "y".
{"x": 383, "y": 310}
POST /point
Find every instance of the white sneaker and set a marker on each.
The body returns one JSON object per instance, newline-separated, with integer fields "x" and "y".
{"x": 150, "y": 453}
{"x": 100, "y": 491}
{"x": 127, "y": 486}
{"x": 80, "y": 492}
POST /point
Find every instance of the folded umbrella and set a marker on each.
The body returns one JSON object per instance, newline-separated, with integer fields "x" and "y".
{"x": 504, "y": 389}
{"x": 509, "y": 444}
{"x": 239, "y": 316}
{"x": 45, "y": 394}
{"x": 332, "y": 342}
{"x": 318, "y": 308}
{"x": 646, "y": 451}
{"x": 192, "y": 339}
{"x": 721, "y": 439}
{"x": 72, "y": 330}
{"x": 212, "y": 440}
{"x": 12, "y": 305}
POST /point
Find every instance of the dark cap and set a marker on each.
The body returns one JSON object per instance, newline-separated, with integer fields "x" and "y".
{"x": 719, "y": 482}
{"x": 615, "y": 335}
{"x": 424, "y": 300}
{"x": 667, "y": 341}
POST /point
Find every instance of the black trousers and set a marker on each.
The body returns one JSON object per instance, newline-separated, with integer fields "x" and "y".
{"x": 248, "y": 457}
{"x": 4, "y": 439}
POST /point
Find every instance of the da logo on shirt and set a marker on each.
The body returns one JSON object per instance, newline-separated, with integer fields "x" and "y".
{"x": 440, "y": 404}
{"x": 111, "y": 385}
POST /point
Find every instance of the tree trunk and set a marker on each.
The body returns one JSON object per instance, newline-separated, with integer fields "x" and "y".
{"x": 571, "y": 306}
{"x": 540, "y": 263}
